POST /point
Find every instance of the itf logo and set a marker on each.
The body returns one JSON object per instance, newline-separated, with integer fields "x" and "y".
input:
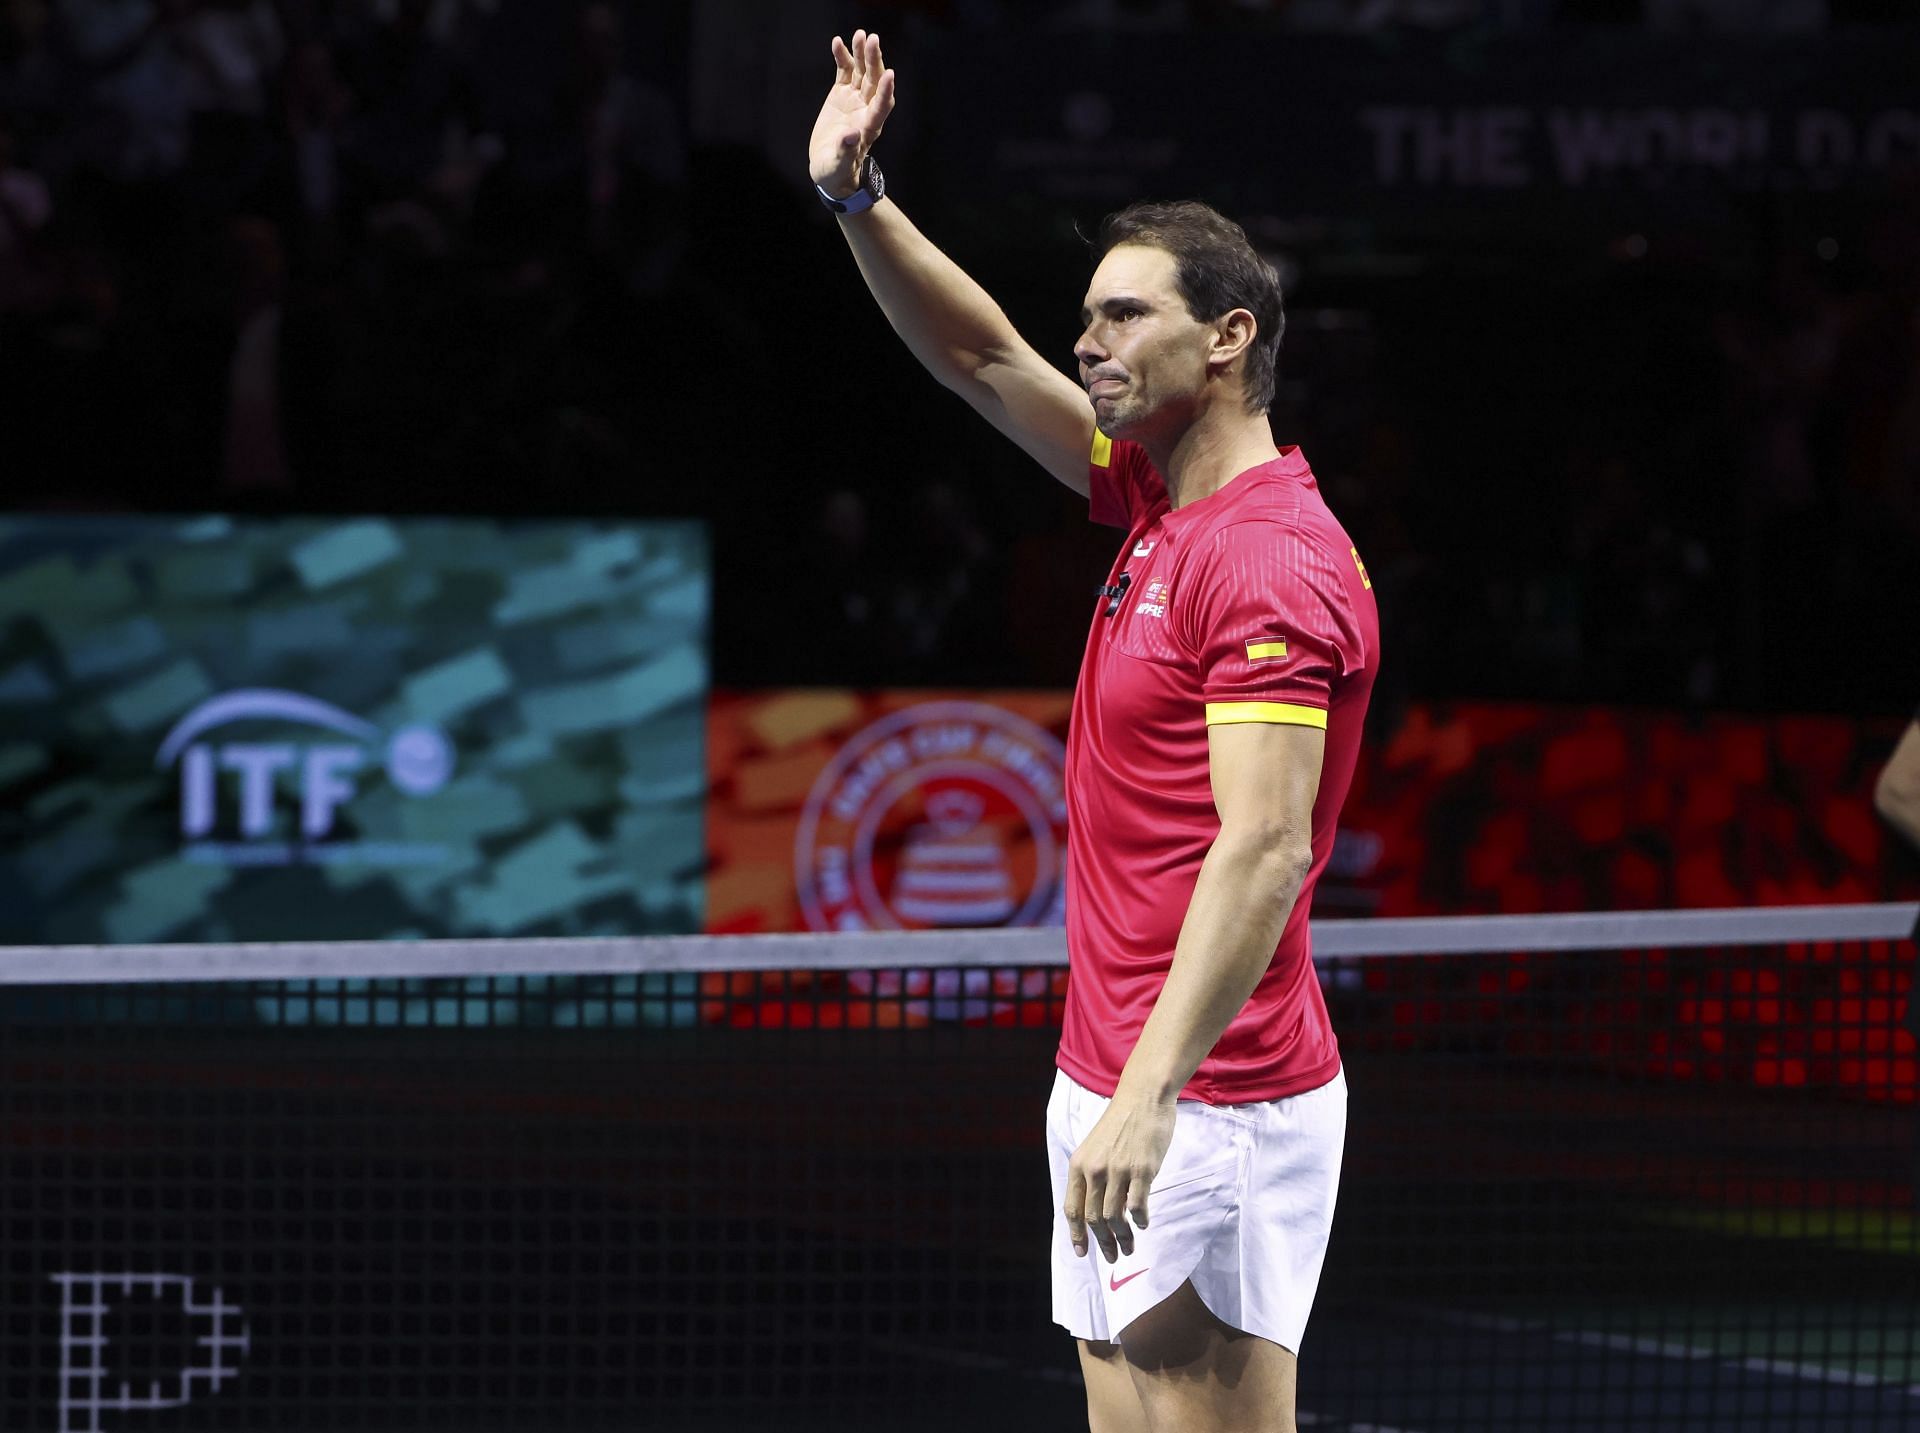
{"x": 88, "y": 1390}
{"x": 418, "y": 760}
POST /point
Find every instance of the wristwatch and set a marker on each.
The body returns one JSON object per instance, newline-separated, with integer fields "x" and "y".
{"x": 873, "y": 188}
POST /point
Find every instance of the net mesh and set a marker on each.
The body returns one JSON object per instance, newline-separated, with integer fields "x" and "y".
{"x": 1622, "y": 1188}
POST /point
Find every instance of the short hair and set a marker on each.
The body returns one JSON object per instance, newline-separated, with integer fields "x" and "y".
{"x": 1216, "y": 270}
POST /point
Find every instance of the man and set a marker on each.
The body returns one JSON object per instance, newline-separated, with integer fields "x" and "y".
{"x": 1197, "y": 1120}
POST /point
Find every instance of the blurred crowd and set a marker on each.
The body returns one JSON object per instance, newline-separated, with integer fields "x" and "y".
{"x": 435, "y": 255}
{"x": 340, "y": 249}
{"x": 1724, "y": 17}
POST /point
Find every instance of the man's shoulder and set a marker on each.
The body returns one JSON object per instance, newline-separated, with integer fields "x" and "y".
{"x": 1296, "y": 509}
{"x": 1278, "y": 524}
{"x": 1281, "y": 555}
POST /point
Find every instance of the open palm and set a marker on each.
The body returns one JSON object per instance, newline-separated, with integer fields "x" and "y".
{"x": 851, "y": 119}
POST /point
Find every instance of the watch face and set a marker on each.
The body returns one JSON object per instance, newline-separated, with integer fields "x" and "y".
{"x": 876, "y": 181}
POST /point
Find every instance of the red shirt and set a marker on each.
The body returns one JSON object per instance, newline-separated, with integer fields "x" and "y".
{"x": 1248, "y": 605}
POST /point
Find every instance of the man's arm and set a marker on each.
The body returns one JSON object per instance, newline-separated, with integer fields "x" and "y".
{"x": 1265, "y": 778}
{"x": 946, "y": 319}
{"x": 1896, "y": 796}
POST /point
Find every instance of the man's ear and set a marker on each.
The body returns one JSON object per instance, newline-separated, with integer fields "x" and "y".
{"x": 1233, "y": 335}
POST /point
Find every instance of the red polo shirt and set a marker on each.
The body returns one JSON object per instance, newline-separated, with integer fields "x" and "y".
{"x": 1248, "y": 605}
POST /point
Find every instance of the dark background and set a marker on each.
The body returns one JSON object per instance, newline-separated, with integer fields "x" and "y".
{"x": 1648, "y": 437}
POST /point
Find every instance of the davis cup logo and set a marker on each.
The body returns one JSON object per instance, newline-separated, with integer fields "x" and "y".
{"x": 944, "y": 814}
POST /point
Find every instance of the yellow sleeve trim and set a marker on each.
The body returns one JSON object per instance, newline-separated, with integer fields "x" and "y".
{"x": 1260, "y": 651}
{"x": 1102, "y": 450}
{"x": 1279, "y": 713}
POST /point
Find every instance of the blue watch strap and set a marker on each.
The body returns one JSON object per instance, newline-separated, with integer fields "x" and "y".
{"x": 872, "y": 187}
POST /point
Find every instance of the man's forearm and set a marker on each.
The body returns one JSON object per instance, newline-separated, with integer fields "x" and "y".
{"x": 951, "y": 324}
{"x": 1245, "y": 893}
{"x": 1901, "y": 810}
{"x": 1897, "y": 793}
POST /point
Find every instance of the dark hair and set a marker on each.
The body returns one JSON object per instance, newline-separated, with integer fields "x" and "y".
{"x": 1216, "y": 270}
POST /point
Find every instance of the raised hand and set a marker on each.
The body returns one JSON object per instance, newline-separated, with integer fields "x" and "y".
{"x": 850, "y": 121}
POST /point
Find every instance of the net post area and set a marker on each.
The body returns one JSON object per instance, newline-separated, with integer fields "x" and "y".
{"x": 1614, "y": 1170}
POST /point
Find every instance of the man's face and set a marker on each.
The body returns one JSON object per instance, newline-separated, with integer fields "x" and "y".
{"x": 1143, "y": 357}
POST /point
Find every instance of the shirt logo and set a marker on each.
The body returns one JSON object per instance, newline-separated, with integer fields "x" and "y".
{"x": 1142, "y": 548}
{"x": 1365, "y": 581}
{"x": 1114, "y": 1284}
{"x": 1153, "y": 602}
{"x": 1266, "y": 649}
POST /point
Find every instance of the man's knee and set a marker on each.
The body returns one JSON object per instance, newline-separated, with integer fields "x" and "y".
{"x": 1112, "y": 1405}
{"x": 1115, "y": 1420}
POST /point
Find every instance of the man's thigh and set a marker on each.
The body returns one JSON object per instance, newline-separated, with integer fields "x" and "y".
{"x": 1191, "y": 1373}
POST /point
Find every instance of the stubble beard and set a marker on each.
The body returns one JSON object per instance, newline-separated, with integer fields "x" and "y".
{"x": 1118, "y": 415}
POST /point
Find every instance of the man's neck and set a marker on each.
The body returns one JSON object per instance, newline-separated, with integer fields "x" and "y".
{"x": 1211, "y": 452}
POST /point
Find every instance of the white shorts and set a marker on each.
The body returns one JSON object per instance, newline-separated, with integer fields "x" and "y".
{"x": 1243, "y": 1205}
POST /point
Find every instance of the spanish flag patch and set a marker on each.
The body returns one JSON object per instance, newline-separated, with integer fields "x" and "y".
{"x": 1266, "y": 649}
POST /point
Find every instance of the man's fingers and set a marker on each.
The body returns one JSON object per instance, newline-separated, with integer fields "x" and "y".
{"x": 1101, "y": 1231}
{"x": 1097, "y": 1220}
{"x": 859, "y": 52}
{"x": 879, "y": 61}
{"x": 881, "y": 107}
{"x": 842, "y": 61}
{"x": 1114, "y": 1211}
{"x": 1072, "y": 1209}
{"x": 874, "y": 67}
{"x": 1137, "y": 1204}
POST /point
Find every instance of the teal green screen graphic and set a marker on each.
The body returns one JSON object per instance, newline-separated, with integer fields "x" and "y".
{"x": 221, "y": 728}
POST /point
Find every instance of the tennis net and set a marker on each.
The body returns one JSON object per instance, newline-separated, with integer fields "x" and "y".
{"x": 1622, "y": 1170}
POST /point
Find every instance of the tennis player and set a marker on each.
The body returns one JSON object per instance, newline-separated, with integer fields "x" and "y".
{"x": 1199, "y": 1112}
